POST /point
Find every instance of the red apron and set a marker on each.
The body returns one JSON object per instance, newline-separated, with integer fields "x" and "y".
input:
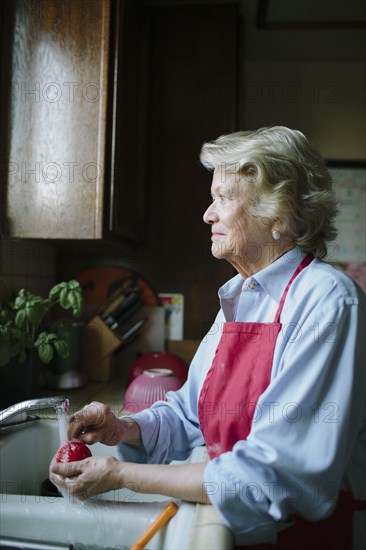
{"x": 239, "y": 374}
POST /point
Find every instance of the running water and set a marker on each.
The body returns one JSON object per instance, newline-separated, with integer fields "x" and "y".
{"x": 62, "y": 423}
{"x": 62, "y": 432}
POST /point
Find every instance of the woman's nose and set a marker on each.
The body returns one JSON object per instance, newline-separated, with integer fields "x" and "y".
{"x": 210, "y": 216}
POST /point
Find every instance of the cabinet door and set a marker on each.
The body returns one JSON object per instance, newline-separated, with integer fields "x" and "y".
{"x": 126, "y": 210}
{"x": 57, "y": 118}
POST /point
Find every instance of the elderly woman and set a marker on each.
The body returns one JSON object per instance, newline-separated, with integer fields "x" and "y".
{"x": 276, "y": 390}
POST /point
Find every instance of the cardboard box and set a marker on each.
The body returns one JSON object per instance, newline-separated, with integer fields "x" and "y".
{"x": 99, "y": 344}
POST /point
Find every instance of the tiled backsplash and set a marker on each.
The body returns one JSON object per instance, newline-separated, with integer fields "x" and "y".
{"x": 26, "y": 264}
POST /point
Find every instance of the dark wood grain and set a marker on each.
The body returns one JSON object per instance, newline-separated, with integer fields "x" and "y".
{"x": 57, "y": 119}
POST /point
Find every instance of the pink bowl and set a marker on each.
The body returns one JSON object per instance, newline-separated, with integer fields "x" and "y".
{"x": 150, "y": 386}
{"x": 159, "y": 359}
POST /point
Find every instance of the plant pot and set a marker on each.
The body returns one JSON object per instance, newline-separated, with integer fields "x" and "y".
{"x": 66, "y": 373}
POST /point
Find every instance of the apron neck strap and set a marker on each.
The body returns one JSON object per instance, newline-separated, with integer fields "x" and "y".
{"x": 304, "y": 263}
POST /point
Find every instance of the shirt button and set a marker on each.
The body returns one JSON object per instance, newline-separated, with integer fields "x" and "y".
{"x": 251, "y": 285}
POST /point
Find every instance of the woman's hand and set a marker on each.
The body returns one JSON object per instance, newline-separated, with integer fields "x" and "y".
{"x": 88, "y": 477}
{"x": 100, "y": 474}
{"x": 97, "y": 423}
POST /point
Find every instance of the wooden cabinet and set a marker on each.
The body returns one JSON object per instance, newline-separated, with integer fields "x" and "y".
{"x": 82, "y": 124}
{"x": 57, "y": 118}
{"x": 65, "y": 113}
{"x": 126, "y": 208}
{"x": 108, "y": 104}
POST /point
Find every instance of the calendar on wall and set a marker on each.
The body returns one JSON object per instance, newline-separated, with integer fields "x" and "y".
{"x": 349, "y": 183}
{"x": 349, "y": 248}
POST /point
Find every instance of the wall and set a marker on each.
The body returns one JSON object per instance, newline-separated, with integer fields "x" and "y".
{"x": 192, "y": 57}
{"x": 25, "y": 264}
{"x": 310, "y": 79}
{"x": 313, "y": 80}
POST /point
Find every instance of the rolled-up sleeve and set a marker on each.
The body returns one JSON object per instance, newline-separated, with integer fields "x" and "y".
{"x": 170, "y": 429}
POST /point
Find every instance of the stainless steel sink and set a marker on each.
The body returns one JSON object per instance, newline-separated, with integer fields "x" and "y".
{"x": 113, "y": 520}
{"x": 18, "y": 544}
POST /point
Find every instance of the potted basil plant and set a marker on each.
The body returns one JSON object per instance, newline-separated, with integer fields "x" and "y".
{"x": 21, "y": 323}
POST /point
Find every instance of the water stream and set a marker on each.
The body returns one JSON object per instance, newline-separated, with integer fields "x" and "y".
{"x": 62, "y": 423}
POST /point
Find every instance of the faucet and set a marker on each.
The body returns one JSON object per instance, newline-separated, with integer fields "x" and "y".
{"x": 59, "y": 404}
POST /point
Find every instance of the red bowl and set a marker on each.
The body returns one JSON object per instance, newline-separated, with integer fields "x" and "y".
{"x": 161, "y": 360}
{"x": 150, "y": 386}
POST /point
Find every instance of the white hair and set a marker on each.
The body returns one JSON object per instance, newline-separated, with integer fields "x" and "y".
{"x": 288, "y": 178}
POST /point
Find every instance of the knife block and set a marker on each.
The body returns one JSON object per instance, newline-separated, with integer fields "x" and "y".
{"x": 100, "y": 342}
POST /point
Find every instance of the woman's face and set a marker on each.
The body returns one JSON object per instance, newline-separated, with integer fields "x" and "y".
{"x": 237, "y": 236}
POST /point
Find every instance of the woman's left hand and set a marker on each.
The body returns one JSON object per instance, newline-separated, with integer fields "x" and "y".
{"x": 88, "y": 477}
{"x": 100, "y": 474}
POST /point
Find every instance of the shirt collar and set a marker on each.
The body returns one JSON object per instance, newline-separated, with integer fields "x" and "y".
{"x": 272, "y": 279}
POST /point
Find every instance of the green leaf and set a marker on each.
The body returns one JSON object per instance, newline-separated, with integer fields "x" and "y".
{"x": 20, "y": 318}
{"x": 4, "y": 315}
{"x": 74, "y": 285}
{"x": 62, "y": 348}
{"x": 64, "y": 298}
{"x": 76, "y": 303}
{"x": 20, "y": 321}
{"x": 55, "y": 291}
{"x": 45, "y": 338}
{"x": 45, "y": 353}
{"x": 35, "y": 310}
{"x": 21, "y": 299}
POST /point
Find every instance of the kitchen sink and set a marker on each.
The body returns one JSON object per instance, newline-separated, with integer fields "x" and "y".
{"x": 113, "y": 520}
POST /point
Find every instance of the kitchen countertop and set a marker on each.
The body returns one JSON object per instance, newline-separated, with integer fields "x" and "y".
{"x": 110, "y": 393}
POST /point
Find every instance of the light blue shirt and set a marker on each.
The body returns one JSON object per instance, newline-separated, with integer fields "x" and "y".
{"x": 308, "y": 436}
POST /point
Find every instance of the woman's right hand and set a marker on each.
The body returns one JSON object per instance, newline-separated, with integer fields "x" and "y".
{"x": 96, "y": 423}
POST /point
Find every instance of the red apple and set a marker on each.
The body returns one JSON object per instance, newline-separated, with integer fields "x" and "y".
{"x": 72, "y": 451}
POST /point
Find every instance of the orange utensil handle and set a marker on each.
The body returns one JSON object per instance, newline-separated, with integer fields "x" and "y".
{"x": 169, "y": 511}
